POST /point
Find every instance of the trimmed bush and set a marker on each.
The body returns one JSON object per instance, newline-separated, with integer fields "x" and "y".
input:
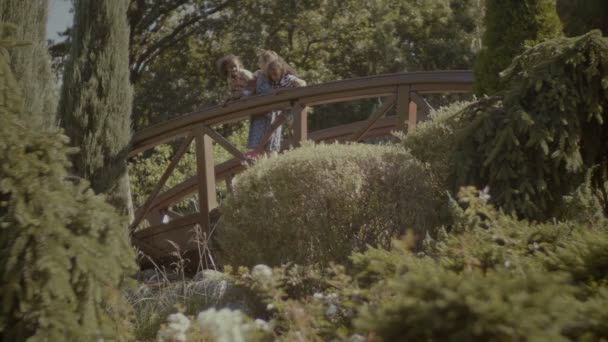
{"x": 433, "y": 140}
{"x": 63, "y": 250}
{"x": 510, "y": 26}
{"x": 319, "y": 203}
{"x": 536, "y": 141}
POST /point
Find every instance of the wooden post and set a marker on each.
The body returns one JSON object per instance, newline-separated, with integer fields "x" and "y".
{"x": 412, "y": 117}
{"x": 300, "y": 123}
{"x": 205, "y": 169}
{"x": 403, "y": 106}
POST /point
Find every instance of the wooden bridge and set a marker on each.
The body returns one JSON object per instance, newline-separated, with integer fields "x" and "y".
{"x": 404, "y": 91}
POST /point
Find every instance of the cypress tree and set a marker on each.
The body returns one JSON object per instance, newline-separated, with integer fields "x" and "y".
{"x": 95, "y": 104}
{"x": 63, "y": 251}
{"x": 510, "y": 25}
{"x": 31, "y": 63}
{"x": 582, "y": 16}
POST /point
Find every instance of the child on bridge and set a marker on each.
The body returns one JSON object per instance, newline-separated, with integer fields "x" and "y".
{"x": 265, "y": 130}
{"x": 239, "y": 79}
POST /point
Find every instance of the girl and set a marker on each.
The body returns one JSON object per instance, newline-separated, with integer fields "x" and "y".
{"x": 238, "y": 78}
{"x": 278, "y": 75}
{"x": 261, "y": 123}
{"x": 281, "y": 75}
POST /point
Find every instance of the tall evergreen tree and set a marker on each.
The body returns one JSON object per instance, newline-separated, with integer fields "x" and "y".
{"x": 95, "y": 105}
{"x": 63, "y": 252}
{"x": 31, "y": 63}
{"x": 582, "y": 16}
{"x": 510, "y": 25}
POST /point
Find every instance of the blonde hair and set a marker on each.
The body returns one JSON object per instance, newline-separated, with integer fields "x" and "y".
{"x": 222, "y": 62}
{"x": 265, "y": 57}
{"x": 280, "y": 64}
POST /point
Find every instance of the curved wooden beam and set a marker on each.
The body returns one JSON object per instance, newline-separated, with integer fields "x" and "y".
{"x": 337, "y": 91}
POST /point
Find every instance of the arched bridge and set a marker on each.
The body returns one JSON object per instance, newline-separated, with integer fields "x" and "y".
{"x": 404, "y": 91}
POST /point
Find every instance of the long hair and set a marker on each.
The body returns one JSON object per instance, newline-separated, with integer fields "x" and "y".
{"x": 283, "y": 66}
{"x": 222, "y": 62}
{"x": 266, "y": 56}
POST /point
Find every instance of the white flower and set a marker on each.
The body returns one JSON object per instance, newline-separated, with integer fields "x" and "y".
{"x": 332, "y": 296}
{"x": 175, "y": 331}
{"x": 262, "y": 273}
{"x": 318, "y": 296}
{"x": 261, "y": 324}
{"x": 228, "y": 325}
{"x": 332, "y": 310}
{"x": 484, "y": 194}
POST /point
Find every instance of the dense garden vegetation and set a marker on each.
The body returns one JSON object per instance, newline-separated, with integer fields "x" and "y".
{"x": 489, "y": 222}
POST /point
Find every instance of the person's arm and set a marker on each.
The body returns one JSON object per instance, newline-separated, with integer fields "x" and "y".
{"x": 297, "y": 82}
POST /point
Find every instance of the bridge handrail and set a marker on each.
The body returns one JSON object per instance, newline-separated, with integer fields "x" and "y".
{"x": 335, "y": 91}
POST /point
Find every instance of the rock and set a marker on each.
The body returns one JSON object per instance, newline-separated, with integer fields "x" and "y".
{"x": 218, "y": 291}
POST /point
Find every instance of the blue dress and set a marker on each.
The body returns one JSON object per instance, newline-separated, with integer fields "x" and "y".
{"x": 260, "y": 124}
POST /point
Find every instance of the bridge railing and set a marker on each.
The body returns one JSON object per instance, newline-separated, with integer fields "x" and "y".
{"x": 405, "y": 92}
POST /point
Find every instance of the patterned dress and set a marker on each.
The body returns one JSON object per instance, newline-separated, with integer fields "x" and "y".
{"x": 260, "y": 124}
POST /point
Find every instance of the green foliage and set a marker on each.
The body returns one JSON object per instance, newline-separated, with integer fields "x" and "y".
{"x": 319, "y": 203}
{"x": 536, "y": 141}
{"x": 31, "y": 63}
{"x": 63, "y": 250}
{"x": 584, "y": 256}
{"x": 438, "y": 305}
{"x": 581, "y": 16}
{"x": 433, "y": 140}
{"x": 95, "y": 105}
{"x": 491, "y": 277}
{"x": 324, "y": 40}
{"x": 509, "y": 26}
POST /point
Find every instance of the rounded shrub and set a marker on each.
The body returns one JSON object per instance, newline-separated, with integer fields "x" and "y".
{"x": 318, "y": 203}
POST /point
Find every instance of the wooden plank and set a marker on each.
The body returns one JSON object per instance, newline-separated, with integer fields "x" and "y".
{"x": 403, "y": 106}
{"x": 300, "y": 123}
{"x": 421, "y": 102}
{"x": 141, "y": 212}
{"x": 412, "y": 119}
{"x": 205, "y": 169}
{"x": 223, "y": 142}
{"x": 442, "y": 88}
{"x": 147, "y": 248}
{"x": 189, "y": 186}
{"x": 158, "y": 140}
{"x": 343, "y": 132}
{"x": 329, "y": 98}
{"x": 149, "y": 232}
{"x": 388, "y": 104}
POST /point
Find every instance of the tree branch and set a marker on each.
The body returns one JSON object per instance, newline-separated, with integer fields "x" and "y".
{"x": 178, "y": 34}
